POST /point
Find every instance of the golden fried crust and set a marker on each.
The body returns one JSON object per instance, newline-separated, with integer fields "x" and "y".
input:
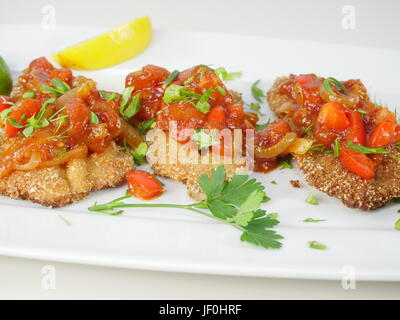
{"x": 63, "y": 185}
{"x": 189, "y": 170}
{"x": 325, "y": 172}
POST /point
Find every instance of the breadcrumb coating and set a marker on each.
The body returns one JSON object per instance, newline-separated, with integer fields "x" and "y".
{"x": 325, "y": 172}
{"x": 63, "y": 185}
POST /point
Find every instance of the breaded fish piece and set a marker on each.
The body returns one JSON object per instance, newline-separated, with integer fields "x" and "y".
{"x": 325, "y": 172}
{"x": 63, "y": 185}
{"x": 188, "y": 172}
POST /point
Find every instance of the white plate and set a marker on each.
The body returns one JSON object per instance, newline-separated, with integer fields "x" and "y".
{"x": 174, "y": 240}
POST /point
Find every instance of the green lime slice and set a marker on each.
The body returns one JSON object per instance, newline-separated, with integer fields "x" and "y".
{"x": 5, "y": 78}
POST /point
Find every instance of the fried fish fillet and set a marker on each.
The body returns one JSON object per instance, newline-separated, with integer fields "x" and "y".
{"x": 326, "y": 173}
{"x": 63, "y": 185}
{"x": 189, "y": 170}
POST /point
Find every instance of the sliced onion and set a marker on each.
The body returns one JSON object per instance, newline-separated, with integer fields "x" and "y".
{"x": 286, "y": 109}
{"x": 349, "y": 99}
{"x": 77, "y": 153}
{"x": 300, "y": 146}
{"x": 132, "y": 136}
{"x": 32, "y": 163}
{"x": 276, "y": 149}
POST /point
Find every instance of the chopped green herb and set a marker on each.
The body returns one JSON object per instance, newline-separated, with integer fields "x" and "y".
{"x": 221, "y": 90}
{"x": 274, "y": 182}
{"x": 317, "y": 245}
{"x": 29, "y": 94}
{"x": 126, "y": 95}
{"x": 313, "y": 220}
{"x": 327, "y": 85}
{"x": 60, "y": 85}
{"x": 365, "y": 150}
{"x": 203, "y": 139}
{"x": 236, "y": 202}
{"x": 189, "y": 80}
{"x": 225, "y": 75}
{"x": 256, "y": 108}
{"x": 202, "y": 105}
{"x": 14, "y": 123}
{"x": 263, "y": 125}
{"x": 311, "y": 199}
{"x": 336, "y": 148}
{"x": 170, "y": 78}
{"x": 257, "y": 93}
{"x": 94, "y": 119}
{"x": 132, "y": 108}
{"x": 396, "y": 200}
{"x": 139, "y": 153}
{"x": 146, "y": 125}
{"x": 285, "y": 165}
{"x": 362, "y": 111}
{"x": 108, "y": 96}
{"x": 308, "y": 129}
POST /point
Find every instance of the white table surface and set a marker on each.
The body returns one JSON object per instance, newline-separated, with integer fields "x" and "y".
{"x": 377, "y": 24}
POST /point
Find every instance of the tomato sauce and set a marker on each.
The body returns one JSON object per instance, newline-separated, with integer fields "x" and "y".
{"x": 223, "y": 111}
{"x": 75, "y": 118}
{"x": 340, "y": 117}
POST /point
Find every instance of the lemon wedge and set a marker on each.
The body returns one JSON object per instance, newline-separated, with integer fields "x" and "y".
{"x": 109, "y": 49}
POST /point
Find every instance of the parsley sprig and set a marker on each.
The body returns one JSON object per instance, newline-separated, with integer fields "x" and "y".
{"x": 257, "y": 93}
{"x": 236, "y": 203}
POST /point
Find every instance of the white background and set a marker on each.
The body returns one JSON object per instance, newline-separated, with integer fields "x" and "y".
{"x": 377, "y": 24}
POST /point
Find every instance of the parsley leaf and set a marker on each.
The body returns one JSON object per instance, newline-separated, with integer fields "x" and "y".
{"x": 313, "y": 220}
{"x": 397, "y": 225}
{"x": 312, "y": 200}
{"x": 202, "y": 105}
{"x": 203, "y": 139}
{"x": 317, "y": 245}
{"x": 234, "y": 202}
{"x": 129, "y": 110}
{"x": 170, "y": 78}
{"x": 225, "y": 75}
{"x": 138, "y": 153}
{"x": 29, "y": 94}
{"x": 107, "y": 95}
{"x": 285, "y": 165}
{"x": 257, "y": 92}
{"x": 94, "y": 119}
{"x": 146, "y": 125}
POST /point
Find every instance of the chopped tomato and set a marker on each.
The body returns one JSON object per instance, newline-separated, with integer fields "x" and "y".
{"x": 324, "y": 135}
{"x": 149, "y": 83}
{"x": 27, "y": 109}
{"x": 41, "y": 64}
{"x": 216, "y": 118}
{"x": 149, "y": 76}
{"x": 235, "y": 115}
{"x": 78, "y": 117}
{"x": 333, "y": 116}
{"x": 272, "y": 134}
{"x": 62, "y": 74}
{"x": 357, "y": 162}
{"x": 3, "y": 102}
{"x": 143, "y": 185}
{"x": 305, "y": 79}
{"x": 356, "y": 130}
{"x": 383, "y": 133}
